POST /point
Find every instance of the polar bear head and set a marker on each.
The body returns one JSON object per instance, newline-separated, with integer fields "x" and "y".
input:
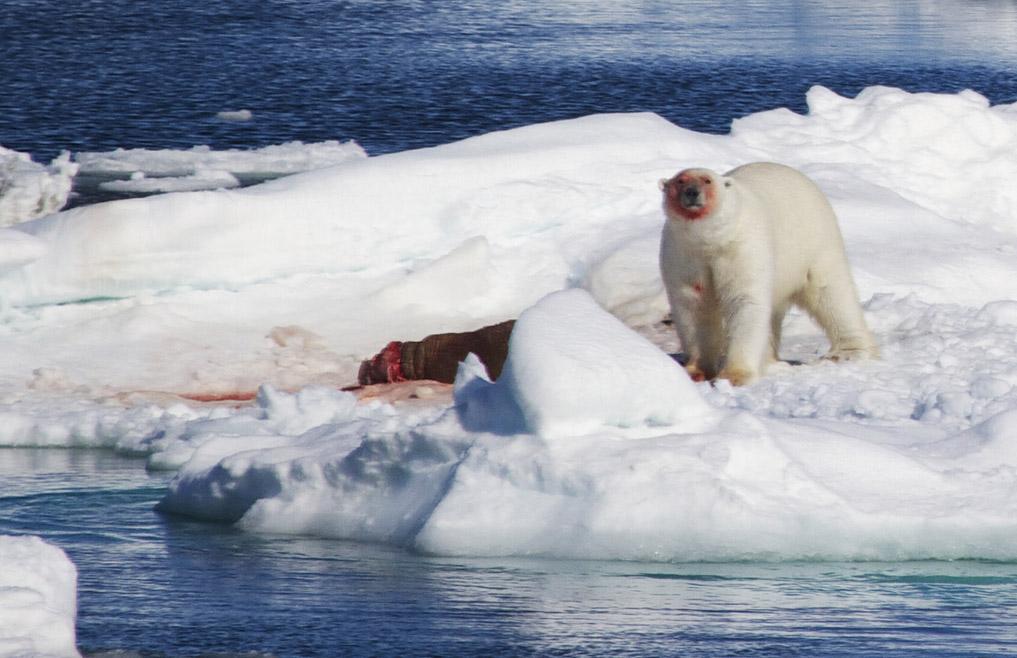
{"x": 694, "y": 194}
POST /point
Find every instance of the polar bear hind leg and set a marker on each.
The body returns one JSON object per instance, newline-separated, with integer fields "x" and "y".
{"x": 833, "y": 303}
{"x": 776, "y": 329}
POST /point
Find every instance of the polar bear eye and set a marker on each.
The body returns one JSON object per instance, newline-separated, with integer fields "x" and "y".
{"x": 707, "y": 181}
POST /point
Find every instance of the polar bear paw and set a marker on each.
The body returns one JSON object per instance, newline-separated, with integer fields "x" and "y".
{"x": 695, "y": 372}
{"x": 738, "y": 376}
{"x": 851, "y": 354}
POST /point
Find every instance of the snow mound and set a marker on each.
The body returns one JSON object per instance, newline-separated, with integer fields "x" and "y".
{"x": 543, "y": 197}
{"x": 29, "y": 190}
{"x": 38, "y": 599}
{"x": 573, "y": 369}
{"x": 949, "y": 153}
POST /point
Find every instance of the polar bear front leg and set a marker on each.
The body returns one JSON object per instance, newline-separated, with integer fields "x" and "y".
{"x": 748, "y": 342}
{"x": 747, "y": 305}
{"x": 698, "y": 324}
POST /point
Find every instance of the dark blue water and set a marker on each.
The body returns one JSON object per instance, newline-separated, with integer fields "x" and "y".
{"x": 163, "y": 586}
{"x": 98, "y": 74}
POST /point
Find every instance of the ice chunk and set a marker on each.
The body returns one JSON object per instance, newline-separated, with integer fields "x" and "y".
{"x": 201, "y": 179}
{"x": 235, "y": 115}
{"x": 29, "y": 190}
{"x": 38, "y": 599}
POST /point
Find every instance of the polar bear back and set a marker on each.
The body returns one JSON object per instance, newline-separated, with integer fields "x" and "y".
{"x": 802, "y": 226}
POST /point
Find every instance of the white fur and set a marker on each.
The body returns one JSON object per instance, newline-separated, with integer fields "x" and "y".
{"x": 770, "y": 240}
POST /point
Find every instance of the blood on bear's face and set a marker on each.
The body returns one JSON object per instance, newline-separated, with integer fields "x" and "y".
{"x": 691, "y": 194}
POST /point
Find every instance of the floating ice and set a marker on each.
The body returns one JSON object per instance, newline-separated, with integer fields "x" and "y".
{"x": 266, "y": 162}
{"x": 201, "y": 179}
{"x": 593, "y": 444}
{"x": 544, "y": 462}
{"x": 38, "y": 599}
{"x": 235, "y": 115}
{"x": 29, "y": 190}
{"x": 147, "y": 171}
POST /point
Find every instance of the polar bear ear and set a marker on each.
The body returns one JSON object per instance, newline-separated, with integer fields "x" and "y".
{"x": 662, "y": 183}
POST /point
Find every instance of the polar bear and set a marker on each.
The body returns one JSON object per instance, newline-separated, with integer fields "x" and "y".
{"x": 736, "y": 251}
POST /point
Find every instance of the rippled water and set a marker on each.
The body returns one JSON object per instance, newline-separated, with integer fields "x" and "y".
{"x": 99, "y": 74}
{"x": 165, "y": 586}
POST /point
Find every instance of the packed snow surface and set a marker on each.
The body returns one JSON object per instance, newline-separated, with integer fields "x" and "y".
{"x": 38, "y": 599}
{"x": 593, "y": 443}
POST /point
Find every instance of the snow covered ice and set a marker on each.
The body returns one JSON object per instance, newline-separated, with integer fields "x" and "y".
{"x": 593, "y": 444}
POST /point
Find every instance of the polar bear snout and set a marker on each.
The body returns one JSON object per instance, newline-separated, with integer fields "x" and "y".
{"x": 690, "y": 194}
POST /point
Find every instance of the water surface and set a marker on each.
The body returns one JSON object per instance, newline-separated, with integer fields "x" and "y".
{"x": 100, "y": 74}
{"x": 166, "y": 586}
